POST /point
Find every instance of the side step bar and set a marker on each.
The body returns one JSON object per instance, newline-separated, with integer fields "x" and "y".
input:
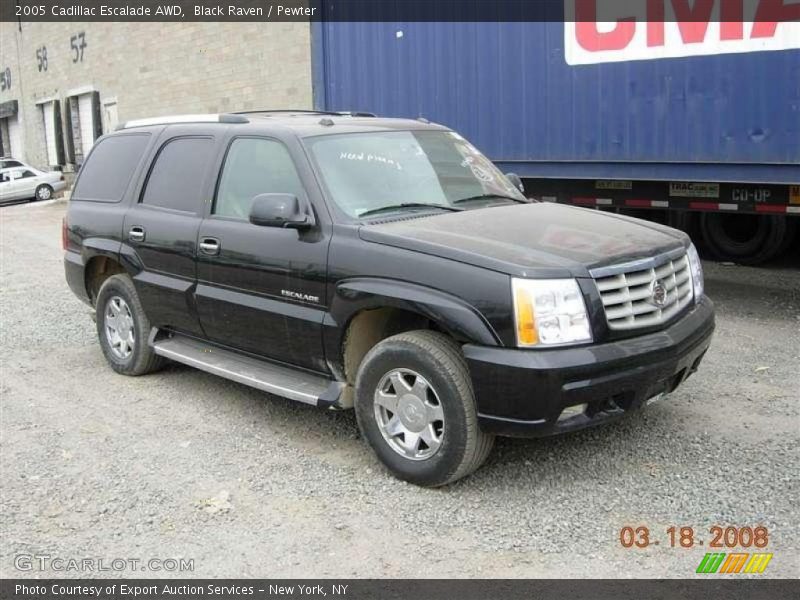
{"x": 269, "y": 377}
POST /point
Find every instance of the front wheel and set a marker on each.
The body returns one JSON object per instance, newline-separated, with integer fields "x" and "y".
{"x": 415, "y": 407}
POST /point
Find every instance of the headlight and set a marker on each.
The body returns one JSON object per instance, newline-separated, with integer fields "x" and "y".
{"x": 697, "y": 271}
{"x": 549, "y": 312}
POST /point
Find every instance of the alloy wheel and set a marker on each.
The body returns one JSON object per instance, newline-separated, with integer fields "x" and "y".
{"x": 409, "y": 414}
{"x": 119, "y": 327}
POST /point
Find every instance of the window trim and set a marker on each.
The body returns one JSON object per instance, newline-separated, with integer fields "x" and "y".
{"x": 268, "y": 138}
{"x": 151, "y": 166}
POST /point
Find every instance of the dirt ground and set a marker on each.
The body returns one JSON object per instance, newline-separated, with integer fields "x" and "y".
{"x": 184, "y": 465}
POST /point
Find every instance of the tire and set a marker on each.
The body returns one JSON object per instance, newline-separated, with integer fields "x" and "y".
{"x": 133, "y": 357}
{"x": 745, "y": 239}
{"x": 789, "y": 236}
{"x": 44, "y": 192}
{"x": 420, "y": 359}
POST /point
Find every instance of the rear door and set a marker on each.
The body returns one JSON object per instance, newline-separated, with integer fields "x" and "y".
{"x": 160, "y": 229}
{"x": 261, "y": 289}
{"x": 25, "y": 184}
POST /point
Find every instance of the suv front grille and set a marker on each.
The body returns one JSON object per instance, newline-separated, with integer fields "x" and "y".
{"x": 630, "y": 293}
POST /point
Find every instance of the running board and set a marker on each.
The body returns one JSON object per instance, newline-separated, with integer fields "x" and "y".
{"x": 269, "y": 377}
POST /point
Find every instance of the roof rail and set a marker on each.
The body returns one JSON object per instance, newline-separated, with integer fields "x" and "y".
{"x": 305, "y": 111}
{"x": 285, "y": 110}
{"x": 227, "y": 118}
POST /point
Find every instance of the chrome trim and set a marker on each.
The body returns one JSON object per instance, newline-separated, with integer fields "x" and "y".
{"x": 628, "y": 294}
{"x": 637, "y": 265}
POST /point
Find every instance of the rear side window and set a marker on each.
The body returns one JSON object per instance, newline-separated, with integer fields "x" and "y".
{"x": 254, "y": 166}
{"x": 176, "y": 178}
{"x": 106, "y": 174}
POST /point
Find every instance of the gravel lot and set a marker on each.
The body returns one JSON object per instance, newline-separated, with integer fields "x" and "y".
{"x": 183, "y": 464}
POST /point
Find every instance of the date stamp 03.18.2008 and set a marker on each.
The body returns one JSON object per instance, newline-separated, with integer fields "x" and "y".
{"x": 734, "y": 550}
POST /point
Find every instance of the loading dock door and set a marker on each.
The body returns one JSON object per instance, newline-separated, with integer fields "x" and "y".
{"x": 15, "y": 138}
{"x": 86, "y": 118}
{"x": 84, "y": 125}
{"x": 111, "y": 116}
{"x": 50, "y": 125}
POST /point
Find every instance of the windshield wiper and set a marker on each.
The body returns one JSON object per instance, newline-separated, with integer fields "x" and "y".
{"x": 375, "y": 211}
{"x": 488, "y": 197}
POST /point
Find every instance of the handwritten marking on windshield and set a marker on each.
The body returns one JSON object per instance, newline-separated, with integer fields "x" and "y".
{"x": 370, "y": 158}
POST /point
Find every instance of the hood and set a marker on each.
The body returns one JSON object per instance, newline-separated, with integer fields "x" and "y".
{"x": 541, "y": 239}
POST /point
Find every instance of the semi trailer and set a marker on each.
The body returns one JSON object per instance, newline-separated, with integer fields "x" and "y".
{"x": 694, "y": 123}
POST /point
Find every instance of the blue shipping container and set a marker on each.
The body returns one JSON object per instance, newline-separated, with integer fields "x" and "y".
{"x": 509, "y": 89}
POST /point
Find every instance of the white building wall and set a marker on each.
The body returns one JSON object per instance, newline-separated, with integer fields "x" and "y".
{"x": 152, "y": 69}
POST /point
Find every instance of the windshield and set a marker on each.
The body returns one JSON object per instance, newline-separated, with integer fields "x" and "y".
{"x": 402, "y": 170}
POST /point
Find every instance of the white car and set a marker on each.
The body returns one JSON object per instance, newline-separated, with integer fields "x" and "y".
{"x": 25, "y": 182}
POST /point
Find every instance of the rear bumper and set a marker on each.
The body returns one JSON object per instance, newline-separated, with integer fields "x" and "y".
{"x": 523, "y": 392}
{"x": 75, "y": 273}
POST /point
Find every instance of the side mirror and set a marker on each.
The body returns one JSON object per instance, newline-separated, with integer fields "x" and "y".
{"x": 279, "y": 210}
{"x": 516, "y": 181}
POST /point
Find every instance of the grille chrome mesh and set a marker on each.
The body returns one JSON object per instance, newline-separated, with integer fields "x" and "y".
{"x": 628, "y": 296}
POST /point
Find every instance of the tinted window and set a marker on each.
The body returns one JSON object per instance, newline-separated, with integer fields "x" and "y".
{"x": 176, "y": 179}
{"x": 106, "y": 174}
{"x": 11, "y": 163}
{"x": 253, "y": 167}
{"x": 28, "y": 174}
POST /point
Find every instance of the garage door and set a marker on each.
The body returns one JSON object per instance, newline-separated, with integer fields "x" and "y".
{"x": 15, "y": 138}
{"x": 86, "y": 117}
{"x": 50, "y": 135}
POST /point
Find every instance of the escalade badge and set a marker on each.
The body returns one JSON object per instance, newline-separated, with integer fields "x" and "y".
{"x": 658, "y": 294}
{"x": 299, "y": 296}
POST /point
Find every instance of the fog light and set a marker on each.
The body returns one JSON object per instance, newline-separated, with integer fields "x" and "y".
{"x": 572, "y": 411}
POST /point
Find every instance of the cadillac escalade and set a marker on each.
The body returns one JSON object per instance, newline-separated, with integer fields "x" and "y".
{"x": 385, "y": 265}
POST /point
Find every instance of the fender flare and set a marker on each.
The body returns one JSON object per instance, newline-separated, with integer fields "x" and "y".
{"x": 454, "y": 315}
{"x": 92, "y": 248}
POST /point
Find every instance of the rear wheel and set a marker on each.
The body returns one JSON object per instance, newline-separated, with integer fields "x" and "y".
{"x": 123, "y": 328}
{"x": 44, "y": 192}
{"x": 746, "y": 239}
{"x": 415, "y": 407}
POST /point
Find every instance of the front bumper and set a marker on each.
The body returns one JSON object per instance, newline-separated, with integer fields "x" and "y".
{"x": 523, "y": 392}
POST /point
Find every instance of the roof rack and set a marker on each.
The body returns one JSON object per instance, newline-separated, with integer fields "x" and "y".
{"x": 226, "y": 118}
{"x": 305, "y": 111}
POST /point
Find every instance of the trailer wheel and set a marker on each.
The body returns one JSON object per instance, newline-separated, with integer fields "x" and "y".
{"x": 745, "y": 239}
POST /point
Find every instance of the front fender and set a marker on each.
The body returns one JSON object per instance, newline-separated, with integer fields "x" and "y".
{"x": 452, "y": 314}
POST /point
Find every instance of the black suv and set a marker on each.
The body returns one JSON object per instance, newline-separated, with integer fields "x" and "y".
{"x": 383, "y": 264}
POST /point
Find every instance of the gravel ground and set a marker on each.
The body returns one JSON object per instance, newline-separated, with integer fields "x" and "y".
{"x": 183, "y": 464}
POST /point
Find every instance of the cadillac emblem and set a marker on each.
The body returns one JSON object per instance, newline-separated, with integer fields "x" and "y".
{"x": 658, "y": 294}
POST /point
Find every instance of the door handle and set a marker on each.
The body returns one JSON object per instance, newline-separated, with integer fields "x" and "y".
{"x": 209, "y": 246}
{"x": 136, "y": 233}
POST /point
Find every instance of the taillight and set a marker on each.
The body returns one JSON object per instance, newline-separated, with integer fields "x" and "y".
{"x": 64, "y": 234}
